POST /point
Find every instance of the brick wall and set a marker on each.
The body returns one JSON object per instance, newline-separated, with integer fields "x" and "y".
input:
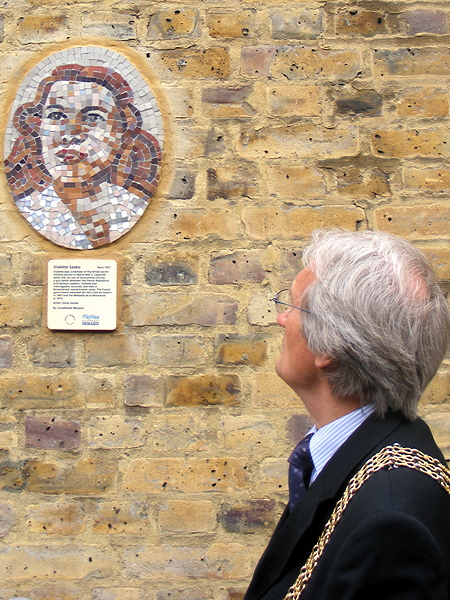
{"x": 150, "y": 463}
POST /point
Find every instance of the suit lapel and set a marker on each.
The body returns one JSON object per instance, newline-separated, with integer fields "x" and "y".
{"x": 328, "y": 485}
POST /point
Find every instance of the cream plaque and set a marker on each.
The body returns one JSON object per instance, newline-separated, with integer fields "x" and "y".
{"x": 82, "y": 294}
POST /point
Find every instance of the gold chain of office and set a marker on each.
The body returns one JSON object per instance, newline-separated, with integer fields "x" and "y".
{"x": 391, "y": 457}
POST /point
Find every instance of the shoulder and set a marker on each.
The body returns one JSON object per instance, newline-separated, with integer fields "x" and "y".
{"x": 393, "y": 534}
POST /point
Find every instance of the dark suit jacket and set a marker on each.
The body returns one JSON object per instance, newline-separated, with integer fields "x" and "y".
{"x": 393, "y": 541}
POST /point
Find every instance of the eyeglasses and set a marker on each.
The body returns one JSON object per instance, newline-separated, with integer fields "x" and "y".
{"x": 283, "y": 302}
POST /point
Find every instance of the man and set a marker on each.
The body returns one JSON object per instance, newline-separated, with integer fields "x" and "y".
{"x": 366, "y": 327}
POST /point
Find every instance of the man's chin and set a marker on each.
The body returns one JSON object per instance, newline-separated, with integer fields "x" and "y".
{"x": 279, "y": 368}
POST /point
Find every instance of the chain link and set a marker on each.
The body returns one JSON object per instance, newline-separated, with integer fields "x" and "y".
{"x": 390, "y": 457}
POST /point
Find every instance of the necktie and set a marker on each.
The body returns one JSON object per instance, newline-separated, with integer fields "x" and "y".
{"x": 300, "y": 469}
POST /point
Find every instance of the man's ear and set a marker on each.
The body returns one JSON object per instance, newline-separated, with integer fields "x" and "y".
{"x": 323, "y": 361}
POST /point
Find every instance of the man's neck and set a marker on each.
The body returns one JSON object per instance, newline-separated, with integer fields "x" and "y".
{"x": 323, "y": 407}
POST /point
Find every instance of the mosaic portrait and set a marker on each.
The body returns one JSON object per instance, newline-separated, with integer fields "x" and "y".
{"x": 84, "y": 147}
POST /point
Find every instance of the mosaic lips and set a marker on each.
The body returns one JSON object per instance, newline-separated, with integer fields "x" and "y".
{"x": 71, "y": 156}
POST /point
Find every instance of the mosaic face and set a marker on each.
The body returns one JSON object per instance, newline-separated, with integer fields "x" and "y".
{"x": 83, "y": 153}
{"x": 81, "y": 130}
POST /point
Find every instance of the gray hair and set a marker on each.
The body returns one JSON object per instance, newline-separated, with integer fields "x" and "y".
{"x": 378, "y": 311}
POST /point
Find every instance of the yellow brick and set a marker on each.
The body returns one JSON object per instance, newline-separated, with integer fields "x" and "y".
{"x": 360, "y": 22}
{"x": 172, "y": 24}
{"x": 115, "y": 431}
{"x": 180, "y": 309}
{"x": 98, "y": 389}
{"x": 270, "y": 391}
{"x": 295, "y": 182}
{"x": 113, "y": 350}
{"x": 59, "y": 519}
{"x": 439, "y": 257}
{"x": 358, "y": 182}
{"x": 65, "y": 562}
{"x": 237, "y": 350}
{"x": 85, "y": 476}
{"x": 194, "y": 432}
{"x": 432, "y": 180}
{"x": 314, "y": 63}
{"x": 119, "y": 593}
{"x": 410, "y": 143}
{"x": 438, "y": 391}
{"x": 413, "y": 221}
{"x": 293, "y": 100}
{"x": 423, "y": 102}
{"x": 197, "y": 64}
{"x": 56, "y": 591}
{"x": 192, "y": 475}
{"x": 177, "y": 516}
{"x": 8, "y": 435}
{"x": 39, "y": 28}
{"x": 274, "y": 222}
{"x": 228, "y": 24}
{"x": 272, "y": 479}
{"x": 157, "y": 562}
{"x": 203, "y": 224}
{"x": 204, "y": 390}
{"x": 40, "y": 391}
{"x": 20, "y": 311}
{"x": 246, "y": 433}
{"x": 121, "y": 517}
{"x": 298, "y": 141}
{"x": 439, "y": 423}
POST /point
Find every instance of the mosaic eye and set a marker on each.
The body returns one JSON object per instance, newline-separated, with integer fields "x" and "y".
{"x": 93, "y": 118}
{"x": 56, "y": 115}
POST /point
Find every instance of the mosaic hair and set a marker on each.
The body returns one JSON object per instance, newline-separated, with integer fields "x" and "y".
{"x": 136, "y": 165}
{"x": 378, "y": 311}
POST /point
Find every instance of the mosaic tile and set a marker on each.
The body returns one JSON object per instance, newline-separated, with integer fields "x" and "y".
{"x": 84, "y": 147}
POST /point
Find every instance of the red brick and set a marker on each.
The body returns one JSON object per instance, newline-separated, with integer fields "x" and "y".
{"x": 6, "y": 351}
{"x": 144, "y": 390}
{"x": 232, "y": 182}
{"x": 52, "y": 433}
{"x": 412, "y": 61}
{"x": 424, "y": 20}
{"x": 248, "y": 517}
{"x": 7, "y": 518}
{"x": 239, "y": 267}
{"x": 361, "y": 22}
{"x": 256, "y": 61}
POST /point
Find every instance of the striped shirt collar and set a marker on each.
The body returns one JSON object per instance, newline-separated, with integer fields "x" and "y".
{"x": 329, "y": 438}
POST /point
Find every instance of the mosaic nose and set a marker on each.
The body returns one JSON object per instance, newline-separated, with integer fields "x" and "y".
{"x": 71, "y": 130}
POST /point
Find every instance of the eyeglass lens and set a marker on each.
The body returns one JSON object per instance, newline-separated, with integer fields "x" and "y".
{"x": 283, "y": 296}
